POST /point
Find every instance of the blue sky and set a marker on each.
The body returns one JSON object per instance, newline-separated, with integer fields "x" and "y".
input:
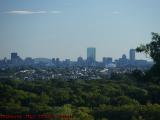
{"x": 65, "y": 28}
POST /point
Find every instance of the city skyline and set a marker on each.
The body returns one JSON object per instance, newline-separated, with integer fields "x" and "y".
{"x": 65, "y": 28}
{"x": 90, "y": 61}
{"x": 91, "y": 53}
{"x": 90, "y": 56}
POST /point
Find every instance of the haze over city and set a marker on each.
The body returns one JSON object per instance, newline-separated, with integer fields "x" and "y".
{"x": 65, "y": 28}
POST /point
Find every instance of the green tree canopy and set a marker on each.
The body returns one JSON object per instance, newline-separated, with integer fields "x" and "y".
{"x": 153, "y": 48}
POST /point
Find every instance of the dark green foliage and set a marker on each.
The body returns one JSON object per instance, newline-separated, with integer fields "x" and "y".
{"x": 129, "y": 112}
{"x": 85, "y": 100}
{"x": 153, "y": 50}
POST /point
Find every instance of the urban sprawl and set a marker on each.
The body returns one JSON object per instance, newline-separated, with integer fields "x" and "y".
{"x": 44, "y": 68}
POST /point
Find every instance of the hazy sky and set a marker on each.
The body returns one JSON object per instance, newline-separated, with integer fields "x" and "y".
{"x": 65, "y": 28}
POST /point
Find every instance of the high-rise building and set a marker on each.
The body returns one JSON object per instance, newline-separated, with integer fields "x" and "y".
{"x": 132, "y": 54}
{"x": 15, "y": 59}
{"x": 67, "y": 62}
{"x": 107, "y": 60}
{"x": 53, "y": 61}
{"x": 80, "y": 61}
{"x": 14, "y": 56}
{"x": 57, "y": 62}
{"x": 91, "y": 54}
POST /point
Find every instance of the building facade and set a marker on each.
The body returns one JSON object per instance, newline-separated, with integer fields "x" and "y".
{"x": 132, "y": 54}
{"x": 91, "y": 53}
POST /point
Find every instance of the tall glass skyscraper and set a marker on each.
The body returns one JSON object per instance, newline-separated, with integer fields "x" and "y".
{"x": 91, "y": 54}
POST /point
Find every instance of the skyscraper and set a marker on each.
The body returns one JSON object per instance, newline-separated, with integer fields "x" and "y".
{"x": 14, "y": 56}
{"x": 132, "y": 54}
{"x": 91, "y": 53}
{"x": 15, "y": 59}
{"x": 53, "y": 61}
{"x": 57, "y": 62}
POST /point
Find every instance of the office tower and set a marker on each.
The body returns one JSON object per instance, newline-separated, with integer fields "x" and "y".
{"x": 67, "y": 62}
{"x": 132, "y": 54}
{"x": 107, "y": 60}
{"x": 14, "y": 56}
{"x": 80, "y": 61}
{"x": 57, "y": 62}
{"x": 15, "y": 59}
{"x": 104, "y": 60}
{"x": 91, "y": 54}
{"x": 53, "y": 61}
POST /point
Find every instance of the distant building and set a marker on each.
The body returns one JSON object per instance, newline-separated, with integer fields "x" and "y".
{"x": 5, "y": 60}
{"x": 132, "y": 54}
{"x": 14, "y": 56}
{"x": 57, "y": 62}
{"x": 122, "y": 62}
{"x": 80, "y": 61}
{"x": 124, "y": 57}
{"x": 107, "y": 60}
{"x": 67, "y": 62}
{"x": 91, "y": 55}
{"x": 53, "y": 61}
{"x": 29, "y": 61}
{"x": 15, "y": 59}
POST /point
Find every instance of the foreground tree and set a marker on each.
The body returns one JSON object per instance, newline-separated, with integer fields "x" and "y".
{"x": 153, "y": 50}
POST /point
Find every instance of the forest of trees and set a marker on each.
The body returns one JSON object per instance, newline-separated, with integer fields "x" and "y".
{"x": 85, "y": 100}
{"x": 134, "y": 96}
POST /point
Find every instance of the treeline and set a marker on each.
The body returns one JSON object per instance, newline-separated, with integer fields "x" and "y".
{"x": 85, "y": 100}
